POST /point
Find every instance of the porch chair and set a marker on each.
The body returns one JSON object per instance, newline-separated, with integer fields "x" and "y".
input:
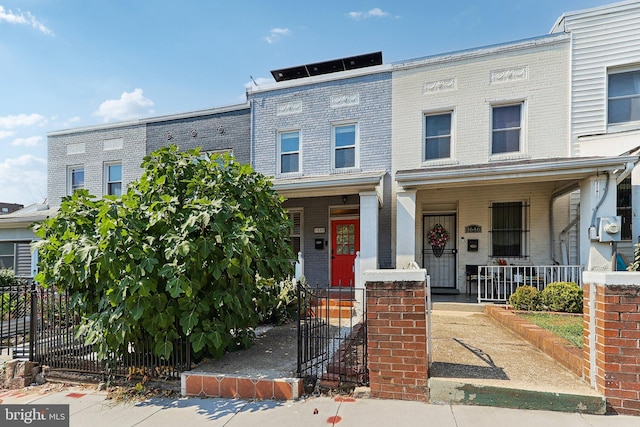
{"x": 472, "y": 276}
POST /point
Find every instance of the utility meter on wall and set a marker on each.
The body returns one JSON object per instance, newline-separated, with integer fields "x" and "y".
{"x": 609, "y": 228}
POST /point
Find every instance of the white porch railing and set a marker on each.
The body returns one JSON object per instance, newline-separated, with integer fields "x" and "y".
{"x": 496, "y": 283}
{"x": 298, "y": 266}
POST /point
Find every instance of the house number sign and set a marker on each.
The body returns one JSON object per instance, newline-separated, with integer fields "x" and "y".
{"x": 473, "y": 229}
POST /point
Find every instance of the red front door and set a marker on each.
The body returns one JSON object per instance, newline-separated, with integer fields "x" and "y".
{"x": 345, "y": 242}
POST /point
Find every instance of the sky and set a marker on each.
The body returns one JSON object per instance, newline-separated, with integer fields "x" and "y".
{"x": 75, "y": 63}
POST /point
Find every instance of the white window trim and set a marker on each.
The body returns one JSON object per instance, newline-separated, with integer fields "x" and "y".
{"x": 356, "y": 161}
{"x": 280, "y": 153}
{"x": 452, "y": 134}
{"x": 106, "y": 177}
{"x": 624, "y": 126}
{"x": 70, "y": 170}
{"x": 512, "y": 155}
{"x": 13, "y": 267}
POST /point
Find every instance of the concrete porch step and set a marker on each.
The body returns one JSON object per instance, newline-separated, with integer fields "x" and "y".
{"x": 451, "y": 392}
{"x": 458, "y": 306}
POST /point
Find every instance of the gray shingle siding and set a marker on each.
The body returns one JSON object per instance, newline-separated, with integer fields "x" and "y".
{"x": 94, "y": 158}
{"x": 226, "y": 131}
{"x": 373, "y": 115}
{"x": 216, "y": 131}
{"x": 315, "y": 119}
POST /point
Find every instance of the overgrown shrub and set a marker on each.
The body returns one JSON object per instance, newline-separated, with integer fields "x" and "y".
{"x": 7, "y": 277}
{"x": 525, "y": 298}
{"x": 276, "y": 302}
{"x": 562, "y": 296}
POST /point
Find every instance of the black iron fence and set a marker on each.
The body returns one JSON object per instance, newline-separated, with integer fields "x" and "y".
{"x": 41, "y": 325}
{"x": 332, "y": 336}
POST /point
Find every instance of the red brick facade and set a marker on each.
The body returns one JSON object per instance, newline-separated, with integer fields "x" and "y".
{"x": 397, "y": 340}
{"x": 614, "y": 345}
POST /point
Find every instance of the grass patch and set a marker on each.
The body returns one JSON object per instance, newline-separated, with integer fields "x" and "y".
{"x": 567, "y": 327}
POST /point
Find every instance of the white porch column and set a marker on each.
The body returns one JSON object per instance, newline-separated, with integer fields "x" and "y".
{"x": 405, "y": 228}
{"x": 368, "y": 234}
{"x": 596, "y": 255}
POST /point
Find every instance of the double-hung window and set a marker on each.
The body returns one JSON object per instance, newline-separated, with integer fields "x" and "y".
{"x": 345, "y": 146}
{"x": 437, "y": 136}
{"x": 113, "y": 172}
{"x": 7, "y": 255}
{"x": 509, "y": 229}
{"x": 506, "y": 128}
{"x": 624, "y": 97}
{"x": 289, "y": 152}
{"x": 76, "y": 178}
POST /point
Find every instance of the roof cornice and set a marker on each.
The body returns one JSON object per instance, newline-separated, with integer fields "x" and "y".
{"x": 156, "y": 119}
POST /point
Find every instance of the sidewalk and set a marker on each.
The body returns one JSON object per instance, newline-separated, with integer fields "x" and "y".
{"x": 89, "y": 408}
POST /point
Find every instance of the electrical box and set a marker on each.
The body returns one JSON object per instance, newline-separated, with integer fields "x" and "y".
{"x": 610, "y": 228}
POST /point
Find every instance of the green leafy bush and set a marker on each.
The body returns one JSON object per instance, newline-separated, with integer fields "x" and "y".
{"x": 525, "y": 298}
{"x": 7, "y": 277}
{"x": 562, "y": 296}
{"x": 177, "y": 254}
{"x": 276, "y": 302}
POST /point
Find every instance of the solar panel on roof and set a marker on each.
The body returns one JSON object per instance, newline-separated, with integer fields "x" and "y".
{"x": 326, "y": 67}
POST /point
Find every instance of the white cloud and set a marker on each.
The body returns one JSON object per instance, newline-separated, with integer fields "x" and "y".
{"x": 376, "y": 12}
{"x": 23, "y": 19}
{"x": 11, "y": 122}
{"x": 6, "y": 133}
{"x": 32, "y": 141}
{"x": 276, "y": 34}
{"x": 23, "y": 180}
{"x": 130, "y": 105}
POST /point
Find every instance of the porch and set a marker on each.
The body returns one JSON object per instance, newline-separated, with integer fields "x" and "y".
{"x": 496, "y": 283}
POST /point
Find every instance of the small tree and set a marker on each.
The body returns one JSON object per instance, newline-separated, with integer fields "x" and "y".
{"x": 178, "y": 253}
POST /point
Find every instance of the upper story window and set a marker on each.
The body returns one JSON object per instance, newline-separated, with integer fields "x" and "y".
{"x": 345, "y": 146}
{"x": 437, "y": 136}
{"x": 624, "y": 97}
{"x": 506, "y": 128}
{"x": 114, "y": 179}
{"x": 76, "y": 178}
{"x": 289, "y": 152}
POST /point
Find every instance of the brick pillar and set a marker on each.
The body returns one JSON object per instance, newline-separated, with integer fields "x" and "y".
{"x": 397, "y": 334}
{"x": 612, "y": 338}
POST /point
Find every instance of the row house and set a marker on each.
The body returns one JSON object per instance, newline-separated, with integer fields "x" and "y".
{"x": 515, "y": 156}
{"x": 604, "y": 72}
{"x": 323, "y": 132}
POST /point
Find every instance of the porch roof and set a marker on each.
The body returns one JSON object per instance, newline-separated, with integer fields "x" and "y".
{"x": 571, "y": 169}
{"x": 26, "y": 216}
{"x": 329, "y": 185}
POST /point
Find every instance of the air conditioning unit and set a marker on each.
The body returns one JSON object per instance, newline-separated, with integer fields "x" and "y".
{"x": 609, "y": 228}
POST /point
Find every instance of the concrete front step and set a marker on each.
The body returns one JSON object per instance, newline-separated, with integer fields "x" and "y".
{"x": 451, "y": 392}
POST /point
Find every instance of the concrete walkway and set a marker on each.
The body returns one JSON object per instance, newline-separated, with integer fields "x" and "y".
{"x": 89, "y": 408}
{"x": 477, "y": 361}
